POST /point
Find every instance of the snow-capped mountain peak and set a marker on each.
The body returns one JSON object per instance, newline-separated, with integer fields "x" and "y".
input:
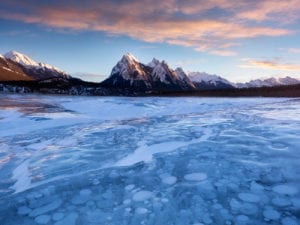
{"x": 129, "y": 58}
{"x": 205, "y": 80}
{"x": 161, "y": 71}
{"x": 269, "y": 82}
{"x": 21, "y": 59}
{"x": 129, "y": 68}
{"x": 153, "y": 63}
{"x": 27, "y": 62}
{"x": 180, "y": 73}
{"x": 205, "y": 77}
{"x": 156, "y": 75}
{"x": 288, "y": 80}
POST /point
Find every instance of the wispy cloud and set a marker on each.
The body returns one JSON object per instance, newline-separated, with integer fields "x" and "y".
{"x": 26, "y": 33}
{"x": 294, "y": 50}
{"x": 271, "y": 65}
{"x": 223, "y": 52}
{"x": 206, "y": 26}
{"x": 269, "y": 10}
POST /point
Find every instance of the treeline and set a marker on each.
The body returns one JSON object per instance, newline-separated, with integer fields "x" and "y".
{"x": 79, "y": 87}
{"x": 277, "y": 91}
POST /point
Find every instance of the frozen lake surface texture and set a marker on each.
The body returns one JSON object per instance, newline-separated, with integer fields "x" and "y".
{"x": 116, "y": 160}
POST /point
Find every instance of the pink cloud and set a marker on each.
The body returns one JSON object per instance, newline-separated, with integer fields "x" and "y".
{"x": 281, "y": 11}
{"x": 156, "y": 21}
{"x": 294, "y": 50}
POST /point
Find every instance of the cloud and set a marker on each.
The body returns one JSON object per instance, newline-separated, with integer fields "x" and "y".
{"x": 223, "y": 52}
{"x": 271, "y": 65}
{"x": 269, "y": 10}
{"x": 206, "y": 26}
{"x": 294, "y": 50}
{"x": 26, "y": 33}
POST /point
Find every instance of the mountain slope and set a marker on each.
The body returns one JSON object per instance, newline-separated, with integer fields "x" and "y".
{"x": 11, "y": 71}
{"x": 130, "y": 74}
{"x": 205, "y": 81}
{"x": 30, "y": 70}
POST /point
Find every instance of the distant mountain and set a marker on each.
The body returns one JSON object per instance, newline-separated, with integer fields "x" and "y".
{"x": 130, "y": 74}
{"x": 17, "y": 66}
{"x": 205, "y": 81}
{"x": 270, "y": 82}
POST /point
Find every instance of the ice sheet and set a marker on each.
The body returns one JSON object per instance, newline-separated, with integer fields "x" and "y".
{"x": 114, "y": 160}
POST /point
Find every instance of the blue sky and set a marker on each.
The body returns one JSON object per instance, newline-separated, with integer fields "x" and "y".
{"x": 239, "y": 40}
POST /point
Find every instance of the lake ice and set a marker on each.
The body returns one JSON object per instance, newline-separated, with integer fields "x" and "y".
{"x": 117, "y": 160}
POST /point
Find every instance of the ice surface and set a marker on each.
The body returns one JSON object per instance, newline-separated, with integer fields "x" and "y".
{"x": 169, "y": 180}
{"x": 69, "y": 219}
{"x": 145, "y": 153}
{"x": 271, "y": 214}
{"x": 43, "y": 219}
{"x": 142, "y": 196}
{"x": 116, "y": 160}
{"x": 285, "y": 189}
{"x": 248, "y": 197}
{"x": 46, "y": 208}
{"x": 22, "y": 176}
{"x": 289, "y": 221}
{"x": 195, "y": 177}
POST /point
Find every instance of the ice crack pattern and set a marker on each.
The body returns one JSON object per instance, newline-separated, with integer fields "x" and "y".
{"x": 114, "y": 160}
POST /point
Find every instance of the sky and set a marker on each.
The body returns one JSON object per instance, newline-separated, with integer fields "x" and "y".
{"x": 239, "y": 40}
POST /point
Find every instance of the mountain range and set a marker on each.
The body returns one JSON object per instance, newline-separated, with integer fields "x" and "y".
{"x": 128, "y": 75}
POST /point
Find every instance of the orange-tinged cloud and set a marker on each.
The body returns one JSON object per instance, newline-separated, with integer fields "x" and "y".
{"x": 186, "y": 23}
{"x": 223, "y": 52}
{"x": 271, "y": 65}
{"x": 276, "y": 10}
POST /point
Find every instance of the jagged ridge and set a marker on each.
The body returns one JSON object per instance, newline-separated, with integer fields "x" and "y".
{"x": 129, "y": 73}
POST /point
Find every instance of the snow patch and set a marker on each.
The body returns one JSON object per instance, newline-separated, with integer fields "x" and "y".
{"x": 28, "y": 62}
{"x": 22, "y": 175}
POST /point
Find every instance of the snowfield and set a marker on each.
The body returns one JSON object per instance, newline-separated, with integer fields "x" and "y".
{"x": 164, "y": 161}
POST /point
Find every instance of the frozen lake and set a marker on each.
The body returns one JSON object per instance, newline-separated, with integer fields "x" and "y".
{"x": 163, "y": 161}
